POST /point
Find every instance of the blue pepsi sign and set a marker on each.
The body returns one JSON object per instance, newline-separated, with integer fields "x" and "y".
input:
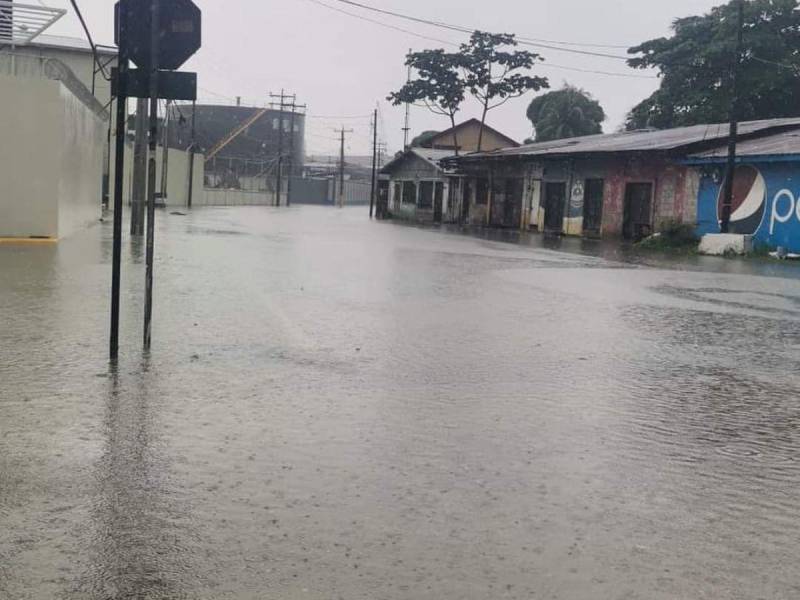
{"x": 766, "y": 203}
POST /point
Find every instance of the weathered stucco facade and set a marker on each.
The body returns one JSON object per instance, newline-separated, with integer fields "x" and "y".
{"x": 583, "y": 196}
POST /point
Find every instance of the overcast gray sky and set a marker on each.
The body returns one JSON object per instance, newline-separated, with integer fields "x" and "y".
{"x": 341, "y": 66}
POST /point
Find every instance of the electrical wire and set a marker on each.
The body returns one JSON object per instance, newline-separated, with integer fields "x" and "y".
{"x": 97, "y": 62}
{"x": 449, "y": 43}
{"x": 461, "y": 29}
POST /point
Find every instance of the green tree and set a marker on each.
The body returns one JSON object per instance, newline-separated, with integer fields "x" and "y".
{"x": 439, "y": 85}
{"x": 564, "y": 113}
{"x": 423, "y": 138}
{"x": 696, "y": 61}
{"x": 494, "y": 74}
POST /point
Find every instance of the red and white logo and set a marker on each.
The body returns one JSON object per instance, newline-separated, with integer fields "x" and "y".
{"x": 749, "y": 200}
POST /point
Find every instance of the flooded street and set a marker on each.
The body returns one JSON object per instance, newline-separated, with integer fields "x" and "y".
{"x": 339, "y": 409}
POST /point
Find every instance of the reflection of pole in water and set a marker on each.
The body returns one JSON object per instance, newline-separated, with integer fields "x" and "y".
{"x": 135, "y": 524}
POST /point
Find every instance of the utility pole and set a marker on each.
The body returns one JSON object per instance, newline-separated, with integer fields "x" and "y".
{"x": 342, "y": 131}
{"x": 165, "y": 154}
{"x": 139, "y": 168}
{"x": 295, "y": 106}
{"x": 407, "y": 123}
{"x": 374, "y": 161}
{"x": 151, "y": 175}
{"x": 192, "y": 149}
{"x": 730, "y": 174}
{"x": 280, "y": 149}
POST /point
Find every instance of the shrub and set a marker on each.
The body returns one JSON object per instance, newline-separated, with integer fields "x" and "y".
{"x": 673, "y": 234}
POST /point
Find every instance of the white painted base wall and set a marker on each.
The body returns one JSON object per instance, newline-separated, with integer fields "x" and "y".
{"x": 51, "y": 159}
{"x": 177, "y": 177}
{"x": 221, "y": 197}
{"x": 719, "y": 244}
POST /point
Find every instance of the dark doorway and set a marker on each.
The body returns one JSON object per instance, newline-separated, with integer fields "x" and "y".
{"x": 636, "y": 223}
{"x": 555, "y": 194}
{"x": 466, "y": 194}
{"x": 382, "y": 205}
{"x": 512, "y": 209}
{"x": 438, "y": 197}
{"x": 592, "y": 207}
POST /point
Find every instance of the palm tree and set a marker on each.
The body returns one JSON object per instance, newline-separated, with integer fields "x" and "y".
{"x": 568, "y": 112}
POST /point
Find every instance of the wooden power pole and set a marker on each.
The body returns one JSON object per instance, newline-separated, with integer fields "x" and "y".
{"x": 730, "y": 172}
{"x": 374, "y": 161}
{"x": 340, "y": 202}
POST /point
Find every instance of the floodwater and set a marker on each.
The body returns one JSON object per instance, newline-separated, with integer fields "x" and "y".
{"x": 339, "y": 409}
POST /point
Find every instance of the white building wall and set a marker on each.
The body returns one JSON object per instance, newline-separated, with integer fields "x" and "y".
{"x": 81, "y": 154}
{"x": 29, "y": 157}
{"x": 52, "y": 170}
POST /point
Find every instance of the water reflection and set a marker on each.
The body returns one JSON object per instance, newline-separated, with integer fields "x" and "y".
{"x": 140, "y": 541}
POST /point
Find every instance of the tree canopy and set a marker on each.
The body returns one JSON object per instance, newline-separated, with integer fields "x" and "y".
{"x": 439, "y": 85}
{"x": 423, "y": 138}
{"x": 487, "y": 67}
{"x": 564, "y": 113}
{"x": 696, "y": 61}
{"x": 494, "y": 73}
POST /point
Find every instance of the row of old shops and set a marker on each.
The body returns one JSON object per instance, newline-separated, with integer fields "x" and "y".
{"x": 625, "y": 185}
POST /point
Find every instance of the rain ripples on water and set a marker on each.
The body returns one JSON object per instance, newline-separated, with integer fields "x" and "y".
{"x": 334, "y": 408}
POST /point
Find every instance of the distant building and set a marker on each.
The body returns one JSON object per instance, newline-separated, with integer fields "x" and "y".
{"x": 250, "y": 158}
{"x": 467, "y": 135}
{"x": 417, "y": 186}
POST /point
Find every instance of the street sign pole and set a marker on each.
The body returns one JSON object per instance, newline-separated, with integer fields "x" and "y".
{"x": 119, "y": 166}
{"x": 156, "y": 35}
{"x": 151, "y": 174}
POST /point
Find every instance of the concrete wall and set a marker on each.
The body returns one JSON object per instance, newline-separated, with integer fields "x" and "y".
{"x": 81, "y": 63}
{"x": 222, "y": 197}
{"x": 178, "y": 176}
{"x": 82, "y": 150}
{"x": 52, "y": 172}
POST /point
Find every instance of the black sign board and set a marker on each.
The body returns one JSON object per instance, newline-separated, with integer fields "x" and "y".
{"x": 179, "y": 30}
{"x": 172, "y": 85}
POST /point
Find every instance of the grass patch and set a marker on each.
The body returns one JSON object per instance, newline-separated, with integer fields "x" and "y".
{"x": 673, "y": 237}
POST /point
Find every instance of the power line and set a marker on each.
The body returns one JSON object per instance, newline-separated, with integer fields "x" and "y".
{"x": 91, "y": 41}
{"x": 449, "y": 43}
{"x": 382, "y": 24}
{"x": 461, "y": 29}
{"x": 335, "y": 117}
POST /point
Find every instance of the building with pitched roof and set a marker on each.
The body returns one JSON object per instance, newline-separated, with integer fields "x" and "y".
{"x": 626, "y": 184}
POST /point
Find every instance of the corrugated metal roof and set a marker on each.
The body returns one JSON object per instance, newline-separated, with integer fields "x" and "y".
{"x": 427, "y": 154}
{"x": 637, "y": 141}
{"x": 786, "y": 142}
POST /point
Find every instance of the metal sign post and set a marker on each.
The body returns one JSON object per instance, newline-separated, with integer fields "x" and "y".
{"x": 155, "y": 34}
{"x": 151, "y": 171}
{"x": 119, "y": 164}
